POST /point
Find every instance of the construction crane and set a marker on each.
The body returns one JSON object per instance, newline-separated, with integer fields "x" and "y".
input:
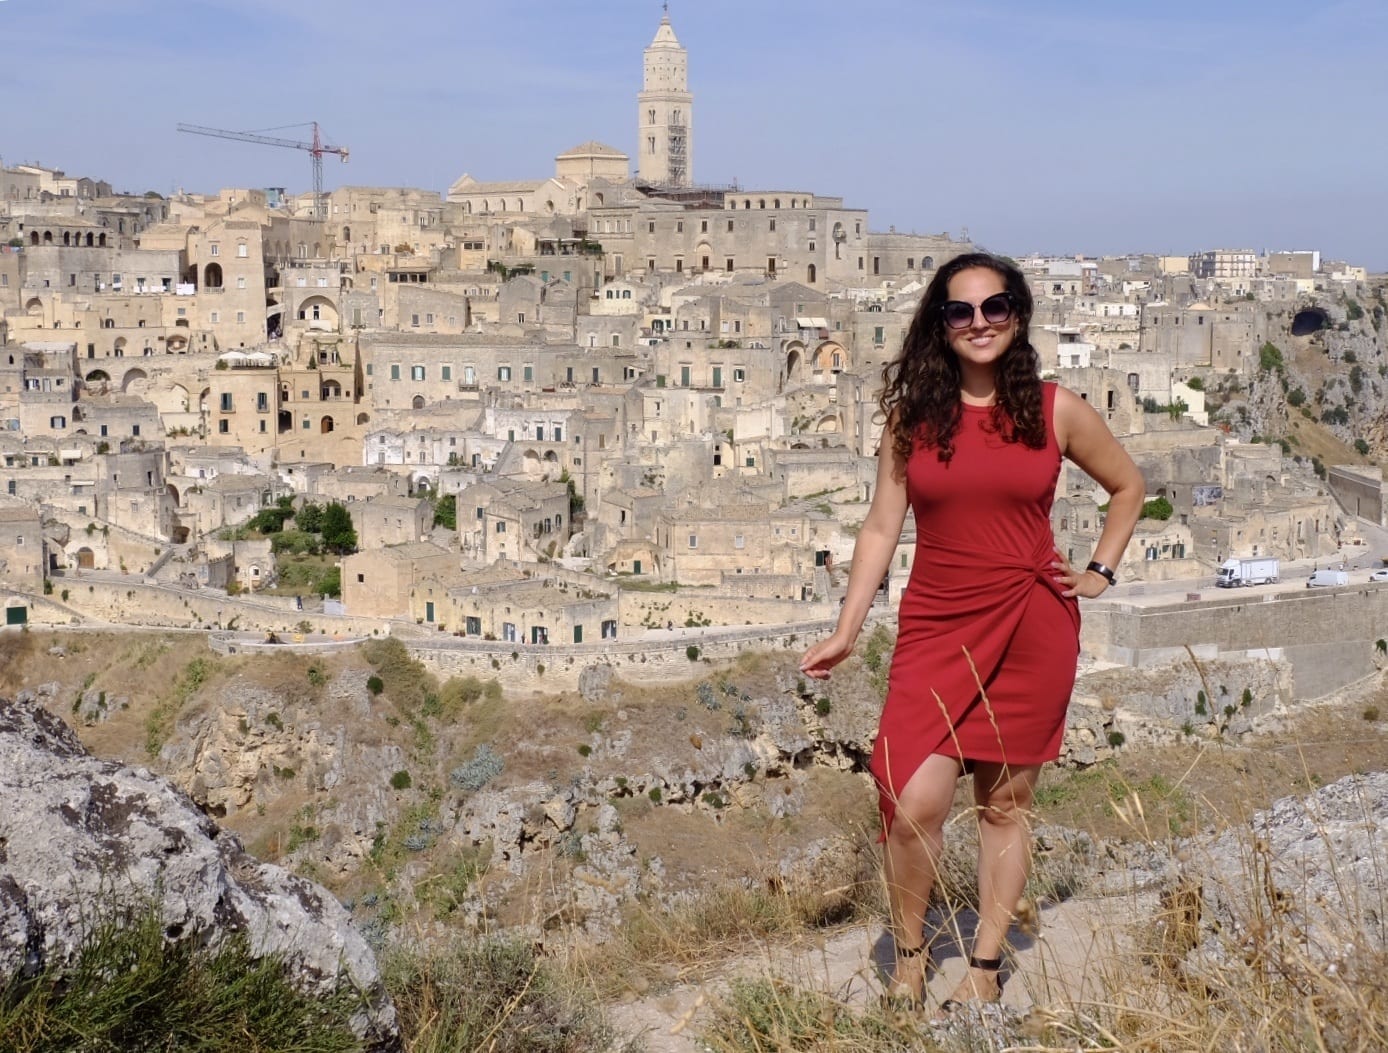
{"x": 316, "y": 149}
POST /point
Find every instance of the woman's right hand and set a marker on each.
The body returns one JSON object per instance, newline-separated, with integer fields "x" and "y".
{"x": 823, "y": 656}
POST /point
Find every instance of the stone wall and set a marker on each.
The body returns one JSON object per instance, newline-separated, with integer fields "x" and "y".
{"x": 1328, "y": 635}
{"x": 558, "y": 667}
{"x": 709, "y": 607}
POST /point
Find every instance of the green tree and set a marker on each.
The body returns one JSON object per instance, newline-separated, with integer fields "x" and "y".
{"x": 446, "y": 512}
{"x": 338, "y": 533}
{"x": 1157, "y": 508}
{"x": 310, "y": 518}
{"x": 330, "y": 584}
{"x": 1270, "y": 358}
{"x": 269, "y": 520}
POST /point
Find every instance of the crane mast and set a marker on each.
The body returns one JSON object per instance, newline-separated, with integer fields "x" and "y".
{"x": 316, "y": 149}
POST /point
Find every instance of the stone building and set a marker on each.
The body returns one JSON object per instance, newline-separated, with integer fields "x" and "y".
{"x": 385, "y": 521}
{"x": 378, "y": 583}
{"x": 23, "y": 557}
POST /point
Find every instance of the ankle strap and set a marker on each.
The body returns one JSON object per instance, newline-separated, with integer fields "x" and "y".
{"x": 989, "y": 965}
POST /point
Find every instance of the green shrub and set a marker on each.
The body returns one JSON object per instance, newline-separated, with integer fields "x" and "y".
{"x": 470, "y": 776}
{"x": 401, "y": 780}
{"x": 375, "y": 684}
{"x": 406, "y": 681}
{"x": 130, "y": 988}
{"x": 295, "y": 542}
{"x": 446, "y": 512}
{"x": 1157, "y": 508}
{"x": 692, "y": 652}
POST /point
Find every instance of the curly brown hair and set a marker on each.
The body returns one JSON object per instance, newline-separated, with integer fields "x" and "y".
{"x": 920, "y": 387}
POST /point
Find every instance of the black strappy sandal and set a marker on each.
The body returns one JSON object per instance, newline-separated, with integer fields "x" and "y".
{"x": 904, "y": 1000}
{"x": 987, "y": 965}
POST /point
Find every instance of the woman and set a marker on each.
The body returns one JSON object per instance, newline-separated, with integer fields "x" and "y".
{"x": 988, "y": 627}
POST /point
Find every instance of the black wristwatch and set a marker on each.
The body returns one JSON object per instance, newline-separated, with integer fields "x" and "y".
{"x": 1104, "y": 572}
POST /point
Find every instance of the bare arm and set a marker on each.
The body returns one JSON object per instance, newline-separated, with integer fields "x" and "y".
{"x": 1086, "y": 440}
{"x": 872, "y": 556}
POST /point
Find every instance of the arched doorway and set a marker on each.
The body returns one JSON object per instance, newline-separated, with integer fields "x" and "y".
{"x": 325, "y": 425}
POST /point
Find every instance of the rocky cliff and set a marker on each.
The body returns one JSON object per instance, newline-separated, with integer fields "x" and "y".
{"x": 78, "y": 834}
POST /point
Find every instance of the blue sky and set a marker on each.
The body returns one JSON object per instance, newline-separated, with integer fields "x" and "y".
{"x": 1072, "y": 126}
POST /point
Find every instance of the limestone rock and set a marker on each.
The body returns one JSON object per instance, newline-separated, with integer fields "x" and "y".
{"x": 76, "y": 831}
{"x": 594, "y": 681}
{"x": 1301, "y": 880}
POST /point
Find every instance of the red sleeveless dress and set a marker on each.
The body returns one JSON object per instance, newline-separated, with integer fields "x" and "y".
{"x": 980, "y": 607}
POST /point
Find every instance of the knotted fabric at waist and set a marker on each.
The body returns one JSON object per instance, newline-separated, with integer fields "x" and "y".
{"x": 960, "y": 572}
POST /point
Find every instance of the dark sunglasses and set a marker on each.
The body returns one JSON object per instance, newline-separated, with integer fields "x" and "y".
{"x": 959, "y": 314}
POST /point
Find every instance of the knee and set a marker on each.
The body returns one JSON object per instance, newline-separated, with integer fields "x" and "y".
{"x": 1004, "y": 812}
{"x": 918, "y": 823}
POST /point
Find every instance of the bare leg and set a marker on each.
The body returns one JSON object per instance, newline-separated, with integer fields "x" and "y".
{"x": 911, "y": 858}
{"x": 1004, "y": 797}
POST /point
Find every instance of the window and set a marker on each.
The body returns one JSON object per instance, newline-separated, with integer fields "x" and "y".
{"x": 693, "y": 540}
{"x": 216, "y": 317}
{"x": 241, "y": 316}
{"x": 501, "y": 526}
{"x": 394, "y": 372}
{"x": 262, "y": 401}
{"x": 414, "y": 320}
{"x": 739, "y": 541}
{"x": 223, "y": 426}
{"x": 527, "y": 373}
{"x": 241, "y": 282}
{"x": 503, "y": 372}
{"x": 751, "y": 462}
{"x": 730, "y": 226}
{"x": 447, "y": 372}
{"x": 241, "y": 250}
{"x": 416, "y": 372}
{"x": 226, "y": 401}
{"x": 650, "y": 227}
{"x": 739, "y": 376}
{"x": 214, "y": 250}
{"x": 773, "y": 225}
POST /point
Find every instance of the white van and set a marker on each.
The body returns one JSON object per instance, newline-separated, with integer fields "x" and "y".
{"x": 1324, "y": 579}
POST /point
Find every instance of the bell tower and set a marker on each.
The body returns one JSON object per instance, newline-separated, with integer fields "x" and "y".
{"x": 665, "y": 154}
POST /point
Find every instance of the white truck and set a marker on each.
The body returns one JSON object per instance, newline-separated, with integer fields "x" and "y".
{"x": 1256, "y": 571}
{"x": 1327, "y": 579}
